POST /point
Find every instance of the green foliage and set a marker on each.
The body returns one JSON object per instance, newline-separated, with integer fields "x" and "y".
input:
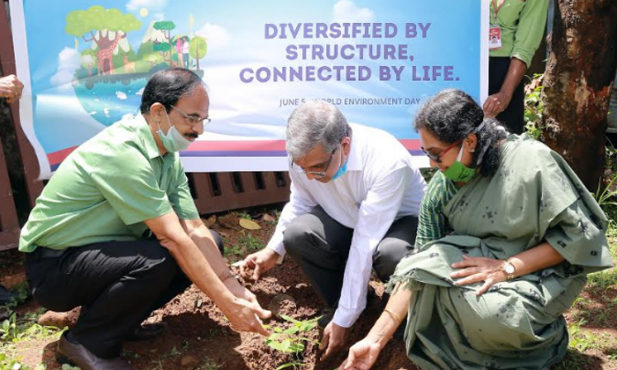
{"x": 244, "y": 215}
{"x": 96, "y": 18}
{"x": 209, "y": 365}
{"x": 12, "y": 363}
{"x": 8, "y": 330}
{"x": 164, "y": 25}
{"x": 534, "y": 106}
{"x": 607, "y": 188}
{"x": 162, "y": 47}
{"x": 198, "y": 48}
{"x": 25, "y": 328}
{"x": 247, "y": 244}
{"x": 18, "y": 329}
{"x": 250, "y": 243}
{"x": 605, "y": 196}
{"x": 20, "y": 294}
{"x": 292, "y": 340}
{"x": 581, "y": 339}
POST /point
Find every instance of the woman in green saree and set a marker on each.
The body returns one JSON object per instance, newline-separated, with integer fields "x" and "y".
{"x": 507, "y": 235}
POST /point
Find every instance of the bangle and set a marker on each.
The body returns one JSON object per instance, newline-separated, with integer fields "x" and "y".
{"x": 394, "y": 316}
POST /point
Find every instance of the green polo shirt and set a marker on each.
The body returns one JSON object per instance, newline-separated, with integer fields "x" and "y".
{"x": 522, "y": 24}
{"x": 106, "y": 189}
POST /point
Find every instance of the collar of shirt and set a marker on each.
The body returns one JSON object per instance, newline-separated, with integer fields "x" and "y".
{"x": 143, "y": 130}
{"x": 354, "y": 162}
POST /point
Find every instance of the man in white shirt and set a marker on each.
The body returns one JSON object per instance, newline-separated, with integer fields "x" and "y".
{"x": 354, "y": 204}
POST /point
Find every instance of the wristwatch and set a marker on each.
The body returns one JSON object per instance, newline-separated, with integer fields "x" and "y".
{"x": 508, "y": 269}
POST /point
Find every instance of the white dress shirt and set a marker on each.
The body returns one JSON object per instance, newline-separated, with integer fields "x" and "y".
{"x": 380, "y": 186}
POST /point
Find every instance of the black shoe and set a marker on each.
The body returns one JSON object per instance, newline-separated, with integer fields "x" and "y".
{"x": 147, "y": 332}
{"x": 6, "y": 296}
{"x": 78, "y": 355}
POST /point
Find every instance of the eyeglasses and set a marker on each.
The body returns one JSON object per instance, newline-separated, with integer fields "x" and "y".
{"x": 437, "y": 157}
{"x": 193, "y": 120}
{"x": 317, "y": 174}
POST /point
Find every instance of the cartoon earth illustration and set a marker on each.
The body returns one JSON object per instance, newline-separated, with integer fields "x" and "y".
{"x": 112, "y": 75}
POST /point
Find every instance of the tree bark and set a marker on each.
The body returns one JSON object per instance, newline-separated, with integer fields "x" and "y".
{"x": 578, "y": 82}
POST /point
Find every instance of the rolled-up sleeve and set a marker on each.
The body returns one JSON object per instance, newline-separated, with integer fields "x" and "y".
{"x": 181, "y": 199}
{"x": 530, "y": 30}
{"x": 580, "y": 240}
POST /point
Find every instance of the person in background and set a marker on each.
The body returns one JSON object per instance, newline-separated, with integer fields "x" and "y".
{"x": 516, "y": 30}
{"x": 10, "y": 88}
{"x": 179, "y": 51}
{"x": 186, "y": 50}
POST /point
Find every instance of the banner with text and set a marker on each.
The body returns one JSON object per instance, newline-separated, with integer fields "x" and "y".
{"x": 85, "y": 64}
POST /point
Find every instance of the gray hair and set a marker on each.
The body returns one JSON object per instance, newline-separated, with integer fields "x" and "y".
{"x": 313, "y": 123}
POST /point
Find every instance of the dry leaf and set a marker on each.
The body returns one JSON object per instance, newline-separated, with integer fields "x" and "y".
{"x": 249, "y": 225}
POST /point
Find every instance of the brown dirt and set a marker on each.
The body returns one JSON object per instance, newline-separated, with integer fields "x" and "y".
{"x": 200, "y": 337}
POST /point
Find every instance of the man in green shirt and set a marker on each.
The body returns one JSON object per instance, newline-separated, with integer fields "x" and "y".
{"x": 116, "y": 230}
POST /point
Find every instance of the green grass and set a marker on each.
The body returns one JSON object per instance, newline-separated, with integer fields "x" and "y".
{"x": 209, "y": 365}
{"x": 247, "y": 244}
{"x": 594, "y": 311}
{"x": 19, "y": 329}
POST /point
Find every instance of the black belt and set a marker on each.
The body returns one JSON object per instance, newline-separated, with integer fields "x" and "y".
{"x": 43, "y": 252}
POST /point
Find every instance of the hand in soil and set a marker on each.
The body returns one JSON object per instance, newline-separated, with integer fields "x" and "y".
{"x": 258, "y": 263}
{"x": 244, "y": 316}
{"x": 334, "y": 337}
{"x": 241, "y": 292}
{"x": 362, "y": 355}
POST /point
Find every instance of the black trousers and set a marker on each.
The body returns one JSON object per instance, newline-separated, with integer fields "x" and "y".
{"x": 117, "y": 285}
{"x": 320, "y": 245}
{"x": 513, "y": 117}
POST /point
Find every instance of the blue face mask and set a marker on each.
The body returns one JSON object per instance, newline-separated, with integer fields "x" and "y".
{"x": 341, "y": 171}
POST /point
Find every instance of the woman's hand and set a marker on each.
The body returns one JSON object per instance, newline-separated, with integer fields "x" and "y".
{"x": 477, "y": 269}
{"x": 362, "y": 355}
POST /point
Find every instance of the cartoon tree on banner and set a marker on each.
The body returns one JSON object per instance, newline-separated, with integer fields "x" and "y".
{"x": 104, "y": 27}
{"x": 165, "y": 27}
{"x": 198, "y": 49}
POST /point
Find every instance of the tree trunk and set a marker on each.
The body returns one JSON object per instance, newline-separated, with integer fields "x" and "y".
{"x": 578, "y": 82}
